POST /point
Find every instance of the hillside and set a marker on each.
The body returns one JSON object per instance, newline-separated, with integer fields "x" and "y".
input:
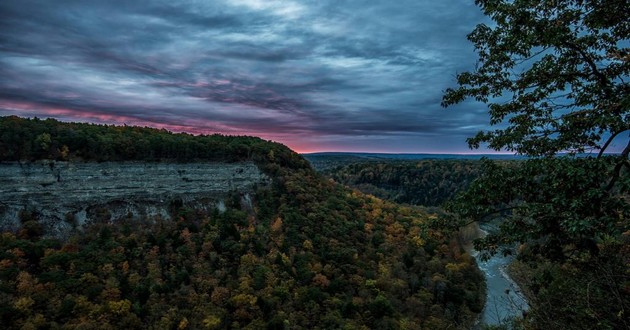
{"x": 426, "y": 182}
{"x": 306, "y": 253}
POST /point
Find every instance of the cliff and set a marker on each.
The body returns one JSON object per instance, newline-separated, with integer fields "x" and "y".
{"x": 67, "y": 195}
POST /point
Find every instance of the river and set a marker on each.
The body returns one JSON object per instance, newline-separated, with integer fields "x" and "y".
{"x": 504, "y": 299}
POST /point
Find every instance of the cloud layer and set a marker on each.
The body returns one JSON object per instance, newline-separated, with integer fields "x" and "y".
{"x": 315, "y": 75}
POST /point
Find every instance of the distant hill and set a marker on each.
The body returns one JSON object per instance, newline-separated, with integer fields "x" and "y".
{"x": 303, "y": 252}
{"x": 327, "y": 160}
{"x": 416, "y": 179}
{"x": 426, "y": 182}
{"x": 407, "y": 156}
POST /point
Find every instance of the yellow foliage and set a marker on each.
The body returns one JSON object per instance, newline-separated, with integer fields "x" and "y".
{"x": 212, "y": 322}
{"x": 134, "y": 278}
{"x": 245, "y": 283}
{"x": 316, "y": 267}
{"x": 376, "y": 213}
{"x": 7, "y": 237}
{"x": 358, "y": 301}
{"x": 395, "y": 229}
{"x": 417, "y": 241}
{"x": 110, "y": 293}
{"x": 48, "y": 252}
{"x": 307, "y": 245}
{"x": 285, "y": 259}
{"x": 107, "y": 268}
{"x": 438, "y": 278}
{"x": 24, "y": 304}
{"x": 117, "y": 250}
{"x": 183, "y": 324}
{"x": 384, "y": 271}
{"x": 417, "y": 221}
{"x": 453, "y": 267}
{"x": 244, "y": 299}
{"x": 38, "y": 321}
{"x": 407, "y": 324}
{"x": 64, "y": 151}
{"x": 248, "y": 260}
{"x": 25, "y": 282}
{"x": 120, "y": 307}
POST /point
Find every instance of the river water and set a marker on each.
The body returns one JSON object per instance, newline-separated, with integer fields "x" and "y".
{"x": 504, "y": 299}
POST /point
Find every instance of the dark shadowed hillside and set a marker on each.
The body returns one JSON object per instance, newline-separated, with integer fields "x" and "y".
{"x": 428, "y": 182}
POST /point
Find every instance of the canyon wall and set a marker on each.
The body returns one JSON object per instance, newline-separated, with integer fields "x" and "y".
{"x": 67, "y": 195}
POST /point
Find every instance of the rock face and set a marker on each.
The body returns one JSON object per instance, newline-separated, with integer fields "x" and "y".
{"x": 66, "y": 195}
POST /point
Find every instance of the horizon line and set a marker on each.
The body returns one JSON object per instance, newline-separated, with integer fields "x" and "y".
{"x": 406, "y": 153}
{"x": 437, "y": 153}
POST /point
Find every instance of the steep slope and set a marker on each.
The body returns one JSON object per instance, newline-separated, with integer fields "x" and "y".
{"x": 305, "y": 253}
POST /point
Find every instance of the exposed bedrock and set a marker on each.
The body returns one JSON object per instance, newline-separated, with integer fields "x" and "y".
{"x": 67, "y": 195}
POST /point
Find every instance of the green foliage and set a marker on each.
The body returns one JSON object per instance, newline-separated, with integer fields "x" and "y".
{"x": 554, "y": 75}
{"x": 24, "y": 139}
{"x": 556, "y": 205}
{"x": 555, "y": 72}
{"x": 584, "y": 294}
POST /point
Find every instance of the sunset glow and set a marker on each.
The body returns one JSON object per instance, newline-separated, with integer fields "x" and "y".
{"x": 317, "y": 76}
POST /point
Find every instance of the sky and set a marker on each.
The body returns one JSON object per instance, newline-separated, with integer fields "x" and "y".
{"x": 326, "y": 75}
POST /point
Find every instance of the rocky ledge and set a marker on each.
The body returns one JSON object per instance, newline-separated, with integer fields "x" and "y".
{"x": 67, "y": 195}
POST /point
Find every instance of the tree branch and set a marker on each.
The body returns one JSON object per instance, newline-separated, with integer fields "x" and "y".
{"x": 480, "y": 218}
{"x": 602, "y": 79}
{"x": 616, "y": 172}
{"x": 612, "y": 137}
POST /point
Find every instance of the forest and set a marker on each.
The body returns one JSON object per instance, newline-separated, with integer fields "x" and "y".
{"x": 426, "y": 182}
{"x": 313, "y": 254}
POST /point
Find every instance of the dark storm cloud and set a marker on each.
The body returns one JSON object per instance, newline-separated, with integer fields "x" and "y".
{"x": 313, "y": 74}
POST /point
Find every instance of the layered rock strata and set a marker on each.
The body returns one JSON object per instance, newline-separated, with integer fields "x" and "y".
{"x": 67, "y": 195}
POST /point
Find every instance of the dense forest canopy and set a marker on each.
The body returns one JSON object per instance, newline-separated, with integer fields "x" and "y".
{"x": 425, "y": 182}
{"x": 31, "y": 139}
{"x": 312, "y": 254}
